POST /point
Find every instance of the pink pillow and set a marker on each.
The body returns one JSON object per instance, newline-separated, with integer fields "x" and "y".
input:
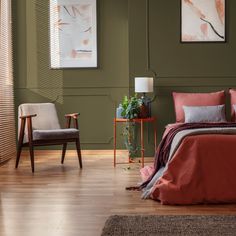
{"x": 196, "y": 99}
{"x": 232, "y": 93}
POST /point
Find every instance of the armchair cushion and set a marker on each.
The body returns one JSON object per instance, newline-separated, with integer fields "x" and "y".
{"x": 55, "y": 134}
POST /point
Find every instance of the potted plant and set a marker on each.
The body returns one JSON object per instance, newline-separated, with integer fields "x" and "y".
{"x": 131, "y": 107}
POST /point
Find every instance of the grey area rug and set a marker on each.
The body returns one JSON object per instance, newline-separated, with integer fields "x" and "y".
{"x": 170, "y": 225}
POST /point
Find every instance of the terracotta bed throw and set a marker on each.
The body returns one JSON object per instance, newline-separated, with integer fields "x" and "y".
{"x": 189, "y": 176}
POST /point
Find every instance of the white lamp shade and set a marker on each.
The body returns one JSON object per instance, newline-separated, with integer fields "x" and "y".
{"x": 143, "y": 84}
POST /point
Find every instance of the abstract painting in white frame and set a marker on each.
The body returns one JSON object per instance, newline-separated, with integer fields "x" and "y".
{"x": 73, "y": 34}
{"x": 203, "y": 20}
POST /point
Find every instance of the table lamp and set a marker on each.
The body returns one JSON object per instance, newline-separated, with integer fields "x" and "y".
{"x": 144, "y": 85}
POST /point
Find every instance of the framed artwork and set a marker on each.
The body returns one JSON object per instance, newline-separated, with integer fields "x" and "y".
{"x": 73, "y": 34}
{"x": 203, "y": 21}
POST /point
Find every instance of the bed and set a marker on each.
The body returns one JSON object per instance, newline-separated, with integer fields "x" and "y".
{"x": 195, "y": 163}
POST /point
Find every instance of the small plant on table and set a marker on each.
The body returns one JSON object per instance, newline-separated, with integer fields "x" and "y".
{"x": 131, "y": 110}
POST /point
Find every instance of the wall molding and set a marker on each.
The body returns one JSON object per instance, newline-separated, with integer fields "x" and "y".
{"x": 148, "y": 59}
{"x": 87, "y": 95}
{"x": 74, "y": 87}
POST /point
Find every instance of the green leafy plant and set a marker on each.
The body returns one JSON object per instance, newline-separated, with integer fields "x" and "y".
{"x": 131, "y": 107}
{"x": 130, "y": 138}
{"x": 131, "y": 110}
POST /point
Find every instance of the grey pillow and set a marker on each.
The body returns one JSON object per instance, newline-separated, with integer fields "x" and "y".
{"x": 204, "y": 113}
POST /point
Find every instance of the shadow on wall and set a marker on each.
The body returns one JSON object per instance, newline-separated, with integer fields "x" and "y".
{"x": 41, "y": 79}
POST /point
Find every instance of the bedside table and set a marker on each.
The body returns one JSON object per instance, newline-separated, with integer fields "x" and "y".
{"x": 141, "y": 121}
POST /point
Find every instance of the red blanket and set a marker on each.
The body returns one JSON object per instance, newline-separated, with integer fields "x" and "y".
{"x": 201, "y": 170}
{"x": 163, "y": 150}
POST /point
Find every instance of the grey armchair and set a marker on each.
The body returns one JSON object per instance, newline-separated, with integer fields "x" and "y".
{"x": 38, "y": 125}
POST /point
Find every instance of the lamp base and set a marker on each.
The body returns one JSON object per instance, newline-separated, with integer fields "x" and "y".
{"x": 146, "y": 101}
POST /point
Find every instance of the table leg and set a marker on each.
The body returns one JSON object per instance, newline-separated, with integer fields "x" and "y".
{"x": 129, "y": 141}
{"x": 142, "y": 143}
{"x": 114, "y": 143}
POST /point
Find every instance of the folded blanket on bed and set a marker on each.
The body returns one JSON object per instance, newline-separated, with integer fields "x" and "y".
{"x": 163, "y": 150}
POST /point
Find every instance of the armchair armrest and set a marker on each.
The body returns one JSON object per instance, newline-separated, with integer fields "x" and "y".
{"x": 23, "y": 120}
{"x": 75, "y": 120}
{"x": 73, "y": 115}
{"x": 28, "y": 116}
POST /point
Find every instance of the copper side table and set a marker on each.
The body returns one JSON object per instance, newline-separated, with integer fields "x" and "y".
{"x": 141, "y": 121}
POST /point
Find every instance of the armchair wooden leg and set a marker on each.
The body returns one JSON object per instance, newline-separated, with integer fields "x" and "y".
{"x": 31, "y": 149}
{"x": 79, "y": 152}
{"x": 63, "y": 152}
{"x": 31, "y": 146}
{"x": 20, "y": 142}
{"x": 18, "y": 155}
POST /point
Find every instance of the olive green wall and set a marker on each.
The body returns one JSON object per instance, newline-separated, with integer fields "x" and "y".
{"x": 122, "y": 48}
{"x": 92, "y": 92}
{"x": 186, "y": 67}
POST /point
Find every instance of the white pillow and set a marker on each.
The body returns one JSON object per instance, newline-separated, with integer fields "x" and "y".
{"x": 234, "y": 106}
{"x": 195, "y": 114}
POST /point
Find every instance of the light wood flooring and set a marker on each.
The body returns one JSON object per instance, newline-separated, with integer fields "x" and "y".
{"x": 63, "y": 200}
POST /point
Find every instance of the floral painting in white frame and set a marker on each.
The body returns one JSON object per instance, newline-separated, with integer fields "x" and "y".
{"x": 203, "y": 20}
{"x": 73, "y": 34}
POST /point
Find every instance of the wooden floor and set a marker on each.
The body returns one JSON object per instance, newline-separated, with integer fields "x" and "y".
{"x": 63, "y": 200}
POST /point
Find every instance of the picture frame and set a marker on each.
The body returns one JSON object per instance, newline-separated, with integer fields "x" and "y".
{"x": 73, "y": 34}
{"x": 203, "y": 21}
